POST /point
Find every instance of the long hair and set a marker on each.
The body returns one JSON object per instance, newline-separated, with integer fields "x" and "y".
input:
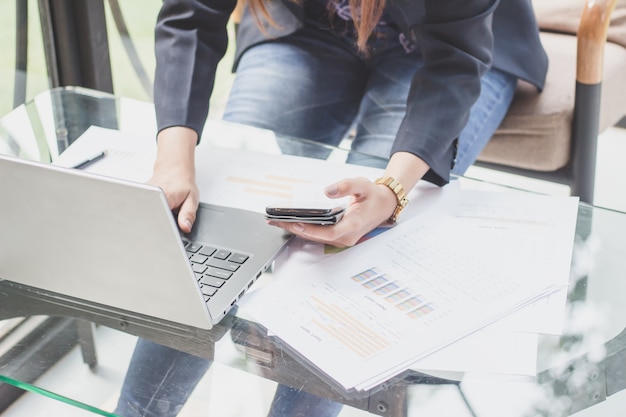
{"x": 365, "y": 14}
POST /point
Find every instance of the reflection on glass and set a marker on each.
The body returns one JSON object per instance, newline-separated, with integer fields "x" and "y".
{"x": 23, "y": 71}
{"x": 130, "y": 28}
{"x": 55, "y": 404}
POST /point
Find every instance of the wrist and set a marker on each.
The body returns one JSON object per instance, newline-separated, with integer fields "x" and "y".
{"x": 406, "y": 168}
{"x": 399, "y": 194}
{"x": 403, "y": 171}
{"x": 176, "y": 149}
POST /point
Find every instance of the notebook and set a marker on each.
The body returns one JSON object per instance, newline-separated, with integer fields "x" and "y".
{"x": 116, "y": 243}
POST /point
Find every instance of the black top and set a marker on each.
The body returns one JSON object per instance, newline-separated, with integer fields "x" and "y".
{"x": 459, "y": 41}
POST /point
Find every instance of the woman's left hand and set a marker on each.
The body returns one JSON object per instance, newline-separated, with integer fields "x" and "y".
{"x": 370, "y": 205}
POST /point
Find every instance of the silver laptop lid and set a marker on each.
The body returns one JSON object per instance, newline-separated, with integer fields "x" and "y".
{"x": 104, "y": 240}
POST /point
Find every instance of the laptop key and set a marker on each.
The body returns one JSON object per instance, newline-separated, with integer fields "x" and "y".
{"x": 238, "y": 258}
{"x": 218, "y": 273}
{"x": 218, "y": 263}
{"x": 207, "y": 250}
{"x": 199, "y": 268}
{"x": 193, "y": 247}
{"x": 212, "y": 281}
{"x": 207, "y": 290}
{"x": 222, "y": 254}
{"x": 199, "y": 259}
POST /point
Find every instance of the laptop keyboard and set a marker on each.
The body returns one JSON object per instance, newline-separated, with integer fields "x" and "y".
{"x": 213, "y": 266}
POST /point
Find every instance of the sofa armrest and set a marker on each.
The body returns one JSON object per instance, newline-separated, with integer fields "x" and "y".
{"x": 592, "y": 36}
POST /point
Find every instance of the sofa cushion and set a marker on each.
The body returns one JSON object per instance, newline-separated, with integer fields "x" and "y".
{"x": 539, "y": 124}
{"x": 563, "y": 16}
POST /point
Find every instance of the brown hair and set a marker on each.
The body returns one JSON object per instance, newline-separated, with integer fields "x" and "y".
{"x": 365, "y": 21}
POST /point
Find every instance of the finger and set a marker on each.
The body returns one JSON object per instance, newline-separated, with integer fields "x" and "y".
{"x": 311, "y": 238}
{"x": 337, "y": 235}
{"x": 187, "y": 213}
{"x": 346, "y": 187}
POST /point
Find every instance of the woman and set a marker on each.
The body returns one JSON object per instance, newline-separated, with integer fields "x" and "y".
{"x": 424, "y": 83}
{"x": 408, "y": 73}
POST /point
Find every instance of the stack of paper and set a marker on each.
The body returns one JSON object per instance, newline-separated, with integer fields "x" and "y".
{"x": 370, "y": 312}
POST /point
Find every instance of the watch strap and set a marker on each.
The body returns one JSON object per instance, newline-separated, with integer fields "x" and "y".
{"x": 399, "y": 192}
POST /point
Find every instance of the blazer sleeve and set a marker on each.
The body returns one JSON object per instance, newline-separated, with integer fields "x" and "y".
{"x": 190, "y": 40}
{"x": 456, "y": 42}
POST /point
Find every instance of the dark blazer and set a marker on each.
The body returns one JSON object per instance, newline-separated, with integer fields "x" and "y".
{"x": 459, "y": 41}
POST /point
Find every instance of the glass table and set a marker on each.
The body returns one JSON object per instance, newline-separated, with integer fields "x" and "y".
{"x": 71, "y": 357}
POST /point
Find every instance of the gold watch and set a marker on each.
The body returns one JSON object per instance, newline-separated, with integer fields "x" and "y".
{"x": 400, "y": 193}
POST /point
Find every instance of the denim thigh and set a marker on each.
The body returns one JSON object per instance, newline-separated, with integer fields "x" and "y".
{"x": 159, "y": 381}
{"x": 312, "y": 86}
{"x": 496, "y": 94}
{"x": 293, "y": 402}
{"x": 384, "y": 105}
{"x": 307, "y": 86}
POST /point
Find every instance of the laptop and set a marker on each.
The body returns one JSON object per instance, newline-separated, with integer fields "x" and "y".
{"x": 115, "y": 243}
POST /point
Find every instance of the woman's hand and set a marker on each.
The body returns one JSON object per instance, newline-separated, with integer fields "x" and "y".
{"x": 370, "y": 204}
{"x": 174, "y": 171}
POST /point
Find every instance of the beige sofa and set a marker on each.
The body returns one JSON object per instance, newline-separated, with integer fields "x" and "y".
{"x": 540, "y": 135}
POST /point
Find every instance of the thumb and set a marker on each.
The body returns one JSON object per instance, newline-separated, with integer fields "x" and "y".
{"x": 347, "y": 187}
{"x": 187, "y": 214}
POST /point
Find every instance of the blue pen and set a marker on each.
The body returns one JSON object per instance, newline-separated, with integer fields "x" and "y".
{"x": 90, "y": 161}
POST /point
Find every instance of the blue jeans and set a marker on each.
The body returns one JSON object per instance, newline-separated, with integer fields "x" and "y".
{"x": 159, "y": 381}
{"x": 311, "y": 85}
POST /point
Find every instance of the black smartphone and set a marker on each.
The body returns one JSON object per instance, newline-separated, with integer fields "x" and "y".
{"x": 305, "y": 209}
{"x": 324, "y": 213}
{"x": 322, "y": 220}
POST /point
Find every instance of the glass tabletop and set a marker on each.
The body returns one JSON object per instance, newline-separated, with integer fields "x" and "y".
{"x": 72, "y": 357}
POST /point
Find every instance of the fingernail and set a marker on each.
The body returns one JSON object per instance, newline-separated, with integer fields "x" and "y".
{"x": 188, "y": 224}
{"x": 331, "y": 189}
{"x": 271, "y": 223}
{"x": 298, "y": 227}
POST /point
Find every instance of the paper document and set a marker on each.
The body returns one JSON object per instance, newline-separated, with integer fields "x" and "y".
{"x": 503, "y": 349}
{"x": 129, "y": 157}
{"x": 239, "y": 178}
{"x": 370, "y": 312}
{"x": 253, "y": 180}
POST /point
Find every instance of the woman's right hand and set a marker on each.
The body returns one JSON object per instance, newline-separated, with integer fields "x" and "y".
{"x": 174, "y": 172}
